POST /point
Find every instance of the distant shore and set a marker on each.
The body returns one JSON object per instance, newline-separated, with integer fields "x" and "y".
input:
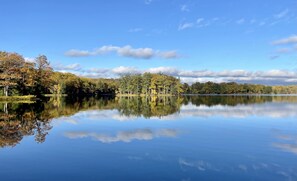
{"x": 143, "y": 95}
{"x": 239, "y": 94}
{"x": 33, "y": 98}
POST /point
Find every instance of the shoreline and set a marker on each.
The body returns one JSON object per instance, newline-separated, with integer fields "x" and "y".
{"x": 239, "y": 94}
{"x": 145, "y": 95}
{"x": 33, "y": 97}
{"x": 18, "y": 98}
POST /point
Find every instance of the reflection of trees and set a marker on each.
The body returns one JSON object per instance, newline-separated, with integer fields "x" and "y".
{"x": 19, "y": 120}
{"x": 236, "y": 100}
{"x": 129, "y": 106}
{"x": 149, "y": 106}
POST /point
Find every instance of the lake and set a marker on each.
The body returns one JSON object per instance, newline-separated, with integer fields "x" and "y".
{"x": 159, "y": 138}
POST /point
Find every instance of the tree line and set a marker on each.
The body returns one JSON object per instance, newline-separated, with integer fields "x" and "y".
{"x": 235, "y": 88}
{"x": 149, "y": 84}
{"x": 21, "y": 77}
{"x": 70, "y": 84}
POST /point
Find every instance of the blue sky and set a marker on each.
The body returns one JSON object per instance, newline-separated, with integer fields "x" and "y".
{"x": 232, "y": 40}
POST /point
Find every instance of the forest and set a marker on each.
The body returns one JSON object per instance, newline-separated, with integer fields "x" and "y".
{"x": 235, "y": 88}
{"x": 19, "y": 77}
{"x": 150, "y": 84}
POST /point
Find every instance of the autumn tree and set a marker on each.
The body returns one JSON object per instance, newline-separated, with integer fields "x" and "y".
{"x": 11, "y": 65}
{"x": 26, "y": 82}
{"x": 42, "y": 76}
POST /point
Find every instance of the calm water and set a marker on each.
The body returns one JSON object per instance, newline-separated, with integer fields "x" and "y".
{"x": 184, "y": 139}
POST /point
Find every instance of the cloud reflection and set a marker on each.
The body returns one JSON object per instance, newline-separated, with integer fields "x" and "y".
{"x": 289, "y": 143}
{"x": 287, "y": 147}
{"x": 272, "y": 110}
{"x": 124, "y": 136}
{"x": 249, "y": 167}
{"x": 200, "y": 165}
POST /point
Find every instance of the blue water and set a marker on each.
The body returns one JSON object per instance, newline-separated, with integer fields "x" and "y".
{"x": 256, "y": 141}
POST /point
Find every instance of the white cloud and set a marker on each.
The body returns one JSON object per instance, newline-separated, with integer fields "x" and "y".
{"x": 135, "y": 30}
{"x": 253, "y": 21}
{"x": 128, "y": 51}
{"x": 184, "y": 8}
{"x": 184, "y": 26}
{"x": 72, "y": 67}
{"x": 125, "y": 70}
{"x": 285, "y": 45}
{"x": 105, "y": 49}
{"x": 98, "y": 70}
{"x": 148, "y": 2}
{"x": 164, "y": 70}
{"x": 262, "y": 23}
{"x": 240, "y": 21}
{"x": 29, "y": 59}
{"x": 199, "y": 20}
{"x": 215, "y": 19}
{"x": 125, "y": 51}
{"x": 284, "y": 41}
{"x": 281, "y": 18}
{"x": 168, "y": 54}
{"x": 276, "y": 74}
{"x": 281, "y": 14}
{"x": 78, "y": 53}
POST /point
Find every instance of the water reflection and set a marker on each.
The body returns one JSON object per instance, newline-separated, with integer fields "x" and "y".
{"x": 237, "y": 100}
{"x": 124, "y": 136}
{"x": 247, "y": 168}
{"x": 18, "y": 120}
{"x": 157, "y": 138}
{"x": 287, "y": 143}
{"x": 270, "y": 109}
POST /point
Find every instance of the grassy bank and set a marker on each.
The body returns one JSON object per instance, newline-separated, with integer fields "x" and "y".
{"x": 18, "y": 98}
{"x": 143, "y": 95}
{"x": 55, "y": 95}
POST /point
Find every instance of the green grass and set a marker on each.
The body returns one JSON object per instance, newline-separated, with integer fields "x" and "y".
{"x": 55, "y": 95}
{"x": 17, "y": 98}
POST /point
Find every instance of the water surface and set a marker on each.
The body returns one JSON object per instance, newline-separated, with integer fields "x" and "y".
{"x": 164, "y": 138}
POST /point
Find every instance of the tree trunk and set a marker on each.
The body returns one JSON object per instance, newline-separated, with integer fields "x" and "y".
{"x": 6, "y": 90}
{"x": 5, "y": 108}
